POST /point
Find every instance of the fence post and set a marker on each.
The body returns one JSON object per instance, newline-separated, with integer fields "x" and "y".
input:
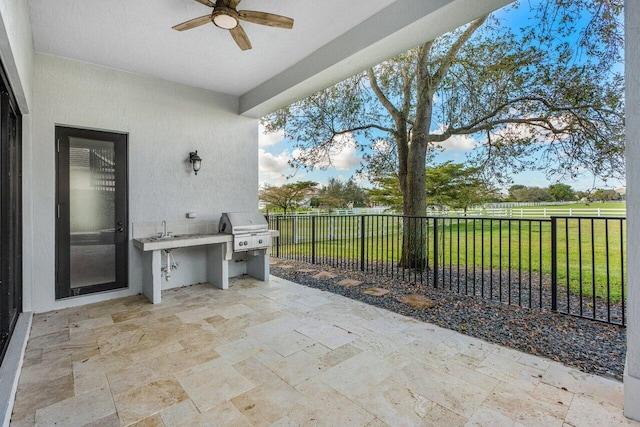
{"x": 362, "y": 236}
{"x": 313, "y": 240}
{"x": 279, "y": 237}
{"x": 554, "y": 264}
{"x": 294, "y": 230}
{"x": 435, "y": 252}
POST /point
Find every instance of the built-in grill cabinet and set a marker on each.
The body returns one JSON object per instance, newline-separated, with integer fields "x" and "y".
{"x": 250, "y": 230}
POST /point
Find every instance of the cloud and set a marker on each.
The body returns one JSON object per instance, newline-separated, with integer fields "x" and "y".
{"x": 343, "y": 155}
{"x": 455, "y": 142}
{"x": 273, "y": 168}
{"x": 269, "y": 139}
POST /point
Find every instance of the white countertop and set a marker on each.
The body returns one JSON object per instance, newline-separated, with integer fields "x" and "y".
{"x": 185, "y": 240}
{"x": 181, "y": 241}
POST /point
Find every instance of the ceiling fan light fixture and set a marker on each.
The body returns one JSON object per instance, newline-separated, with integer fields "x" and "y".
{"x": 224, "y": 18}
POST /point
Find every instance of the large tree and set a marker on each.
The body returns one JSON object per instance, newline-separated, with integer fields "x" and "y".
{"x": 542, "y": 95}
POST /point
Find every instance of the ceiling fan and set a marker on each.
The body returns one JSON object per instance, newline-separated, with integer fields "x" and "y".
{"x": 226, "y": 16}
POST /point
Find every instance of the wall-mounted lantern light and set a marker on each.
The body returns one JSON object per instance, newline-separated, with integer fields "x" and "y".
{"x": 195, "y": 160}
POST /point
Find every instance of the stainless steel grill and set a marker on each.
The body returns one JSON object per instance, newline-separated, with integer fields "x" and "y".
{"x": 250, "y": 230}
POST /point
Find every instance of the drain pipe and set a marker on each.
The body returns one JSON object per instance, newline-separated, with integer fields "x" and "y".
{"x": 171, "y": 265}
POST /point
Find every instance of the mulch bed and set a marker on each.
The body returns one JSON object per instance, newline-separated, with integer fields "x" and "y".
{"x": 590, "y": 346}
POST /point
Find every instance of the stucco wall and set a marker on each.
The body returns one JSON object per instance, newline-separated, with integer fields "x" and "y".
{"x": 632, "y": 76}
{"x": 16, "y": 49}
{"x": 164, "y": 121}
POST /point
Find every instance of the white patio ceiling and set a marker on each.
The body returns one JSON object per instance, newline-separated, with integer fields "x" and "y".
{"x": 331, "y": 40}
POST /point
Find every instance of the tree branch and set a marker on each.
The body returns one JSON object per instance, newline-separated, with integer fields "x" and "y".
{"x": 453, "y": 51}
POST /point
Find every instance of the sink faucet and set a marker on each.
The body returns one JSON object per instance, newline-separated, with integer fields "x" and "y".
{"x": 164, "y": 227}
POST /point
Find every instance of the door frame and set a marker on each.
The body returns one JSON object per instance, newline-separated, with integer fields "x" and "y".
{"x": 11, "y": 212}
{"x": 62, "y": 211}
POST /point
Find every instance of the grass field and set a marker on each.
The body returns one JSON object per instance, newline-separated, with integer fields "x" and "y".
{"x": 589, "y": 252}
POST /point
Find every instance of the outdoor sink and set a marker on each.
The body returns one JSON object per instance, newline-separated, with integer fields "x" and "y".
{"x": 169, "y": 236}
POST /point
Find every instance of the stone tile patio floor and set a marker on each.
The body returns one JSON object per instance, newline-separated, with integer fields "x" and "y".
{"x": 277, "y": 353}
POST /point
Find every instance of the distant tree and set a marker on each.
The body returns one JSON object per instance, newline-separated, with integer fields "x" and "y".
{"x": 286, "y": 196}
{"x": 387, "y": 192}
{"x": 583, "y": 195}
{"x": 449, "y": 185}
{"x": 339, "y": 194}
{"x": 602, "y": 195}
{"x": 531, "y": 194}
{"x": 455, "y": 186}
{"x": 513, "y": 191}
{"x": 561, "y": 192}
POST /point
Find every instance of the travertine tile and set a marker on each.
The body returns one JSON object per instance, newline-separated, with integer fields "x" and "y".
{"x": 602, "y": 390}
{"x": 484, "y": 417}
{"x": 213, "y": 383}
{"x": 276, "y": 353}
{"x": 298, "y": 367}
{"x": 523, "y": 376}
{"x": 358, "y": 374}
{"x": 149, "y": 399}
{"x": 340, "y": 354}
{"x": 256, "y": 372}
{"x": 327, "y": 335}
{"x": 584, "y": 411}
{"x": 327, "y": 407}
{"x": 151, "y": 421}
{"x": 523, "y": 407}
{"x": 49, "y": 340}
{"x": 79, "y": 410}
{"x": 445, "y": 389}
{"x": 289, "y": 343}
{"x": 179, "y": 413}
{"x": 398, "y": 405}
{"x": 267, "y": 403}
{"x": 33, "y": 396}
{"x": 224, "y": 414}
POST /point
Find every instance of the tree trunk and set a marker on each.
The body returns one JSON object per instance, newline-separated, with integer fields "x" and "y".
{"x": 414, "y": 192}
{"x": 414, "y": 206}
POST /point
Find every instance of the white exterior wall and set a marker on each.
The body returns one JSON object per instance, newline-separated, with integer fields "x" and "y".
{"x": 164, "y": 121}
{"x": 16, "y": 49}
{"x": 632, "y": 71}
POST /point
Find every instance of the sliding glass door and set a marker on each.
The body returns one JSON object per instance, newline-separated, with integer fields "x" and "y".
{"x": 10, "y": 213}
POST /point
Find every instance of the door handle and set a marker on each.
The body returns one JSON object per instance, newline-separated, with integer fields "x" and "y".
{"x": 120, "y": 230}
{"x": 119, "y": 223}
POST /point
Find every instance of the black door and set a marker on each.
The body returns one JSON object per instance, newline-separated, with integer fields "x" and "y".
{"x": 91, "y": 230}
{"x": 10, "y": 213}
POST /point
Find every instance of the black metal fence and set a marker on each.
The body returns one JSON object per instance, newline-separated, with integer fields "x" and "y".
{"x": 572, "y": 265}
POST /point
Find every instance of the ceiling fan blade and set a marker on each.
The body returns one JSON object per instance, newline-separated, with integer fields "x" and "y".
{"x": 192, "y": 23}
{"x": 206, "y": 3}
{"x": 241, "y": 38}
{"x": 264, "y": 18}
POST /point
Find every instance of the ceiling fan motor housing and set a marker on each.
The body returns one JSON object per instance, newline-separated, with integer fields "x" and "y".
{"x": 225, "y": 17}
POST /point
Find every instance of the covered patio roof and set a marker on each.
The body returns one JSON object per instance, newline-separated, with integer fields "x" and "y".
{"x": 264, "y": 353}
{"x": 330, "y": 41}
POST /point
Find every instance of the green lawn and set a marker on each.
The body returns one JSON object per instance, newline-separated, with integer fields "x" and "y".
{"x": 489, "y": 244}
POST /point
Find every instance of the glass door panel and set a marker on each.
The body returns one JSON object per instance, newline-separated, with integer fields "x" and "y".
{"x": 92, "y": 212}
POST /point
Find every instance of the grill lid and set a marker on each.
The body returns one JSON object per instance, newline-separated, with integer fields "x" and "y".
{"x": 242, "y": 223}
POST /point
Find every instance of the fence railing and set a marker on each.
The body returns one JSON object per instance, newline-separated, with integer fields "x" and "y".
{"x": 572, "y": 265}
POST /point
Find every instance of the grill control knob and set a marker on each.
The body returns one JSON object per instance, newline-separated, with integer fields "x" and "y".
{"x": 260, "y": 241}
{"x": 241, "y": 243}
{"x": 246, "y": 243}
